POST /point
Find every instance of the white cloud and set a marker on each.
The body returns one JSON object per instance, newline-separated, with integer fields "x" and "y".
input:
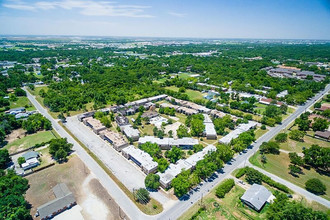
{"x": 89, "y": 8}
{"x": 175, "y": 14}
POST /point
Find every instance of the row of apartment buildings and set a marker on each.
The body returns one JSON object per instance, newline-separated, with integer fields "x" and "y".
{"x": 183, "y": 164}
{"x": 239, "y": 130}
{"x": 168, "y": 143}
{"x": 287, "y": 72}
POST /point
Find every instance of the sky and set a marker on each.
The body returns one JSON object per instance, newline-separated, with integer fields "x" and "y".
{"x": 262, "y": 19}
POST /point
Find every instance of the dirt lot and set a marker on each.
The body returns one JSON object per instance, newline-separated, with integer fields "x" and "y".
{"x": 15, "y": 134}
{"x": 95, "y": 201}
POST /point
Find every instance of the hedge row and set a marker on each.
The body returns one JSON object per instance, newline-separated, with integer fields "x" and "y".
{"x": 200, "y": 210}
{"x": 224, "y": 188}
{"x": 241, "y": 172}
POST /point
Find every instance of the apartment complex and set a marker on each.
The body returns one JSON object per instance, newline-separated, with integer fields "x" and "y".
{"x": 209, "y": 131}
{"x": 239, "y": 130}
{"x": 168, "y": 143}
{"x": 140, "y": 158}
{"x": 116, "y": 139}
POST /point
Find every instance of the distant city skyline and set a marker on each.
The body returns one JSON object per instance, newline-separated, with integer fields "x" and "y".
{"x": 256, "y": 19}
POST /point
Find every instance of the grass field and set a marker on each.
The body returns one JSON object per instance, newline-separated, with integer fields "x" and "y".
{"x": 229, "y": 207}
{"x": 278, "y": 165}
{"x": 22, "y": 101}
{"x": 30, "y": 140}
{"x": 192, "y": 94}
{"x": 259, "y": 132}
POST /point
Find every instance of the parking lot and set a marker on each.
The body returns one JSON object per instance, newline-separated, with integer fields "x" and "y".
{"x": 127, "y": 172}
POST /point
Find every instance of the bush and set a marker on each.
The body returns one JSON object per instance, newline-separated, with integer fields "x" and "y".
{"x": 263, "y": 127}
{"x": 253, "y": 176}
{"x": 315, "y": 186}
{"x": 241, "y": 172}
{"x": 224, "y": 188}
{"x": 152, "y": 181}
{"x": 21, "y": 160}
{"x": 142, "y": 195}
{"x": 281, "y": 137}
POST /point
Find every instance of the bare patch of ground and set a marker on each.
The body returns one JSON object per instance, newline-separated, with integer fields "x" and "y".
{"x": 15, "y": 134}
{"x": 89, "y": 193}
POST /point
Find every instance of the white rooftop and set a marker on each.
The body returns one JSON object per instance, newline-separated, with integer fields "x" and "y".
{"x": 144, "y": 158}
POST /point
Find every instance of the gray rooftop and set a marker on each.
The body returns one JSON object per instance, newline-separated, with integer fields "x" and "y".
{"x": 30, "y": 154}
{"x": 257, "y": 196}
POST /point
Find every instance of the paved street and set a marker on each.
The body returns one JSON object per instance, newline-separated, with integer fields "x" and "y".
{"x": 125, "y": 170}
{"x": 242, "y": 160}
{"x": 180, "y": 207}
{"x": 122, "y": 200}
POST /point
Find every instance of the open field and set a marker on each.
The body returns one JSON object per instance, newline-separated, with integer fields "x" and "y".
{"x": 22, "y": 101}
{"x": 278, "y": 165}
{"x": 229, "y": 207}
{"x": 89, "y": 193}
{"x": 192, "y": 94}
{"x": 297, "y": 146}
{"x": 21, "y": 142}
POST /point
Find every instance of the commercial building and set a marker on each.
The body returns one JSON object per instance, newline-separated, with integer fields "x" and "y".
{"x": 257, "y": 196}
{"x": 209, "y": 131}
{"x": 175, "y": 169}
{"x": 140, "y": 158}
{"x": 291, "y": 72}
{"x": 168, "y": 143}
{"x": 116, "y": 139}
{"x": 94, "y": 124}
{"x": 239, "y": 130}
{"x": 64, "y": 200}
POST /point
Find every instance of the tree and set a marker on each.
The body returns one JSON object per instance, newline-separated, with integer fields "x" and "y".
{"x": 297, "y": 135}
{"x": 20, "y": 92}
{"x": 12, "y": 191}
{"x": 142, "y": 195}
{"x": 317, "y": 157}
{"x": 263, "y": 159}
{"x": 197, "y": 127}
{"x": 315, "y": 186}
{"x": 295, "y": 159}
{"x": 106, "y": 121}
{"x": 253, "y": 176}
{"x": 197, "y": 148}
{"x": 162, "y": 164}
{"x": 174, "y": 154}
{"x": 303, "y": 124}
{"x": 317, "y": 105}
{"x": 152, "y": 149}
{"x": 152, "y": 181}
{"x": 4, "y": 158}
{"x": 61, "y": 154}
{"x": 320, "y": 124}
{"x": 182, "y": 131}
{"x": 35, "y": 123}
{"x": 224, "y": 188}
{"x": 20, "y": 160}
{"x": 180, "y": 184}
{"x": 2, "y": 135}
{"x": 59, "y": 148}
{"x": 281, "y": 137}
{"x": 270, "y": 148}
{"x": 294, "y": 170}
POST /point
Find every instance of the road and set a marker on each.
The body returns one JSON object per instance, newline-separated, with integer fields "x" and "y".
{"x": 119, "y": 196}
{"x": 180, "y": 207}
{"x": 242, "y": 160}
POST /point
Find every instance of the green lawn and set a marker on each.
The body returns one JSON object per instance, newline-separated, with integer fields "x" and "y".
{"x": 30, "y": 140}
{"x": 278, "y": 165}
{"x": 229, "y": 207}
{"x": 259, "y": 132}
{"x": 192, "y": 94}
{"x": 22, "y": 101}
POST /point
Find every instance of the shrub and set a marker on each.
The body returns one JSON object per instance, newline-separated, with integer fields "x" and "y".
{"x": 224, "y": 188}
{"x": 241, "y": 172}
{"x": 142, "y": 195}
{"x": 315, "y": 186}
{"x": 281, "y": 138}
{"x": 152, "y": 181}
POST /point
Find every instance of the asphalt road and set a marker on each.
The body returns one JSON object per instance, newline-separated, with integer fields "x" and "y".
{"x": 119, "y": 196}
{"x": 195, "y": 195}
{"x": 242, "y": 160}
